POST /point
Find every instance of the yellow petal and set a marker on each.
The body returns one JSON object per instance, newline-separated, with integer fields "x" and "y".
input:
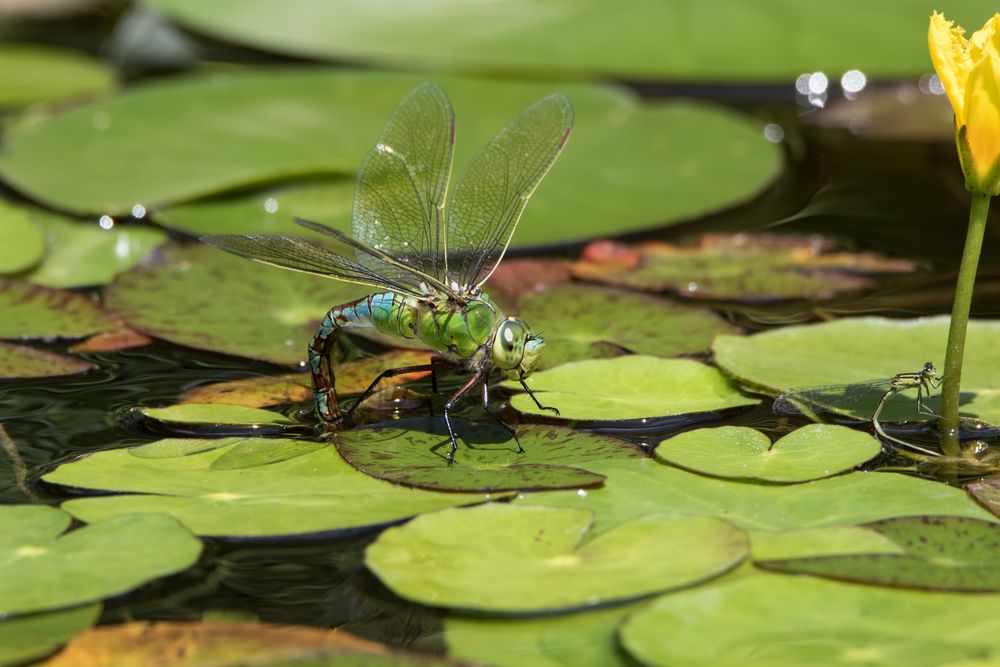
{"x": 950, "y": 55}
{"x": 986, "y": 40}
{"x": 982, "y": 103}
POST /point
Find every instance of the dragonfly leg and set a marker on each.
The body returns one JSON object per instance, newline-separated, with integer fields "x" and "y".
{"x": 481, "y": 376}
{"x": 535, "y": 399}
{"x": 435, "y": 363}
{"x": 486, "y": 406}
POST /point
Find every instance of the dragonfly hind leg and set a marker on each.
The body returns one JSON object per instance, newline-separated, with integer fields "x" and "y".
{"x": 435, "y": 364}
{"x": 486, "y": 406}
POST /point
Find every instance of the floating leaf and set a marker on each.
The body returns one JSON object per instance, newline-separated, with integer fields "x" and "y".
{"x": 580, "y": 322}
{"x": 24, "y": 638}
{"x": 811, "y": 452}
{"x": 214, "y": 644}
{"x": 32, "y": 73}
{"x": 643, "y": 40}
{"x": 20, "y": 361}
{"x": 214, "y": 413}
{"x": 664, "y": 161}
{"x": 862, "y": 349}
{"x": 987, "y": 493}
{"x": 43, "y": 570}
{"x": 450, "y": 558}
{"x": 256, "y": 392}
{"x": 637, "y": 487}
{"x": 782, "y": 621}
{"x": 630, "y": 387}
{"x": 314, "y": 493}
{"x": 33, "y": 311}
{"x": 940, "y": 553}
{"x": 826, "y": 541}
{"x": 413, "y": 451}
{"x": 24, "y": 243}
{"x": 583, "y": 639}
{"x": 111, "y": 341}
{"x": 203, "y": 298}
{"x": 742, "y": 267}
{"x": 516, "y": 277}
{"x": 80, "y": 254}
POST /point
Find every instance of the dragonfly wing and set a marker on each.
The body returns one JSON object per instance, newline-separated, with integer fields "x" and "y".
{"x": 400, "y": 194}
{"x": 494, "y": 188}
{"x": 298, "y": 254}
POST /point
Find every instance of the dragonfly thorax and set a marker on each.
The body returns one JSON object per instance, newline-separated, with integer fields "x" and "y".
{"x": 515, "y": 349}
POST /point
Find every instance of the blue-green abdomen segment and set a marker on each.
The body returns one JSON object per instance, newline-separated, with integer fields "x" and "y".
{"x": 458, "y": 332}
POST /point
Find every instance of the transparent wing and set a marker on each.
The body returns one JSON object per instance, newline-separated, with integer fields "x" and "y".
{"x": 290, "y": 252}
{"x": 401, "y": 188}
{"x": 496, "y": 185}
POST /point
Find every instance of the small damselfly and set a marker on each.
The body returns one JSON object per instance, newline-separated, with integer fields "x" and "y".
{"x": 863, "y": 400}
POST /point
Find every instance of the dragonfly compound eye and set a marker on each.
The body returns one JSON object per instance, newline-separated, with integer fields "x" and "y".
{"x": 508, "y": 344}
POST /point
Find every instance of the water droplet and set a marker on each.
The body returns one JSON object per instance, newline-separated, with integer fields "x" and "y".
{"x": 106, "y": 222}
{"x": 271, "y": 205}
{"x": 139, "y": 211}
{"x": 774, "y": 133}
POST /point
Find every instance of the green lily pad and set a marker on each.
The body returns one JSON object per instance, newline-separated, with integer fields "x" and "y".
{"x": 862, "y": 349}
{"x": 45, "y": 570}
{"x": 582, "y": 639}
{"x": 33, "y": 311}
{"x": 940, "y": 553}
{"x": 487, "y": 459}
{"x": 630, "y": 387}
{"x": 580, "y": 322}
{"x": 23, "y": 244}
{"x": 665, "y": 162}
{"x": 644, "y": 40}
{"x": 80, "y": 254}
{"x": 21, "y": 361}
{"x": 745, "y": 267}
{"x": 30, "y": 73}
{"x": 825, "y": 541}
{"x": 24, "y": 638}
{"x": 637, "y": 487}
{"x": 265, "y": 211}
{"x": 811, "y": 452}
{"x": 783, "y": 621}
{"x": 313, "y": 493}
{"x": 214, "y": 413}
{"x": 450, "y": 559}
{"x": 203, "y": 298}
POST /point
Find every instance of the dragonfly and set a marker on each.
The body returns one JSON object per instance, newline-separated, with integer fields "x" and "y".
{"x": 844, "y": 397}
{"x": 428, "y": 257}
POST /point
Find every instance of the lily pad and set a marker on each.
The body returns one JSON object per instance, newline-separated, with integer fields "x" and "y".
{"x": 45, "y": 570}
{"x": 580, "y": 322}
{"x": 214, "y": 413}
{"x": 203, "y": 298}
{"x": 80, "y": 253}
{"x": 412, "y": 453}
{"x": 644, "y": 40}
{"x": 30, "y": 73}
{"x": 987, "y": 493}
{"x": 23, "y": 244}
{"x": 638, "y": 487}
{"x": 265, "y": 211}
{"x": 582, "y": 639}
{"x": 121, "y": 338}
{"x": 744, "y": 267}
{"x": 630, "y": 387}
{"x": 862, "y": 349}
{"x": 21, "y": 361}
{"x": 450, "y": 559}
{"x": 213, "y": 644}
{"x": 783, "y": 621}
{"x": 249, "y": 128}
{"x": 940, "y": 553}
{"x": 825, "y": 541}
{"x": 24, "y": 638}
{"x": 314, "y": 493}
{"x": 33, "y": 311}
{"x": 811, "y": 452}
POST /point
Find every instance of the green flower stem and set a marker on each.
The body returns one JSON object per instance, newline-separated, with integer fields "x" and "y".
{"x": 959, "y": 323}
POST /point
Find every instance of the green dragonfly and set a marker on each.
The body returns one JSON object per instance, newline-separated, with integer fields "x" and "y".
{"x": 429, "y": 260}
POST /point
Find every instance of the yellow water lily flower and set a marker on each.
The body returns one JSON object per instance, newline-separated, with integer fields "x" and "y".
{"x": 969, "y": 69}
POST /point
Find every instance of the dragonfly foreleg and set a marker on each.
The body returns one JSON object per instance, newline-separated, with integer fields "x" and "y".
{"x": 435, "y": 363}
{"x": 480, "y": 376}
{"x": 535, "y": 399}
{"x": 486, "y": 406}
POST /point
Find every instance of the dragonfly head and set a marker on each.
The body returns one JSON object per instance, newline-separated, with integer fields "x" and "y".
{"x": 515, "y": 349}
